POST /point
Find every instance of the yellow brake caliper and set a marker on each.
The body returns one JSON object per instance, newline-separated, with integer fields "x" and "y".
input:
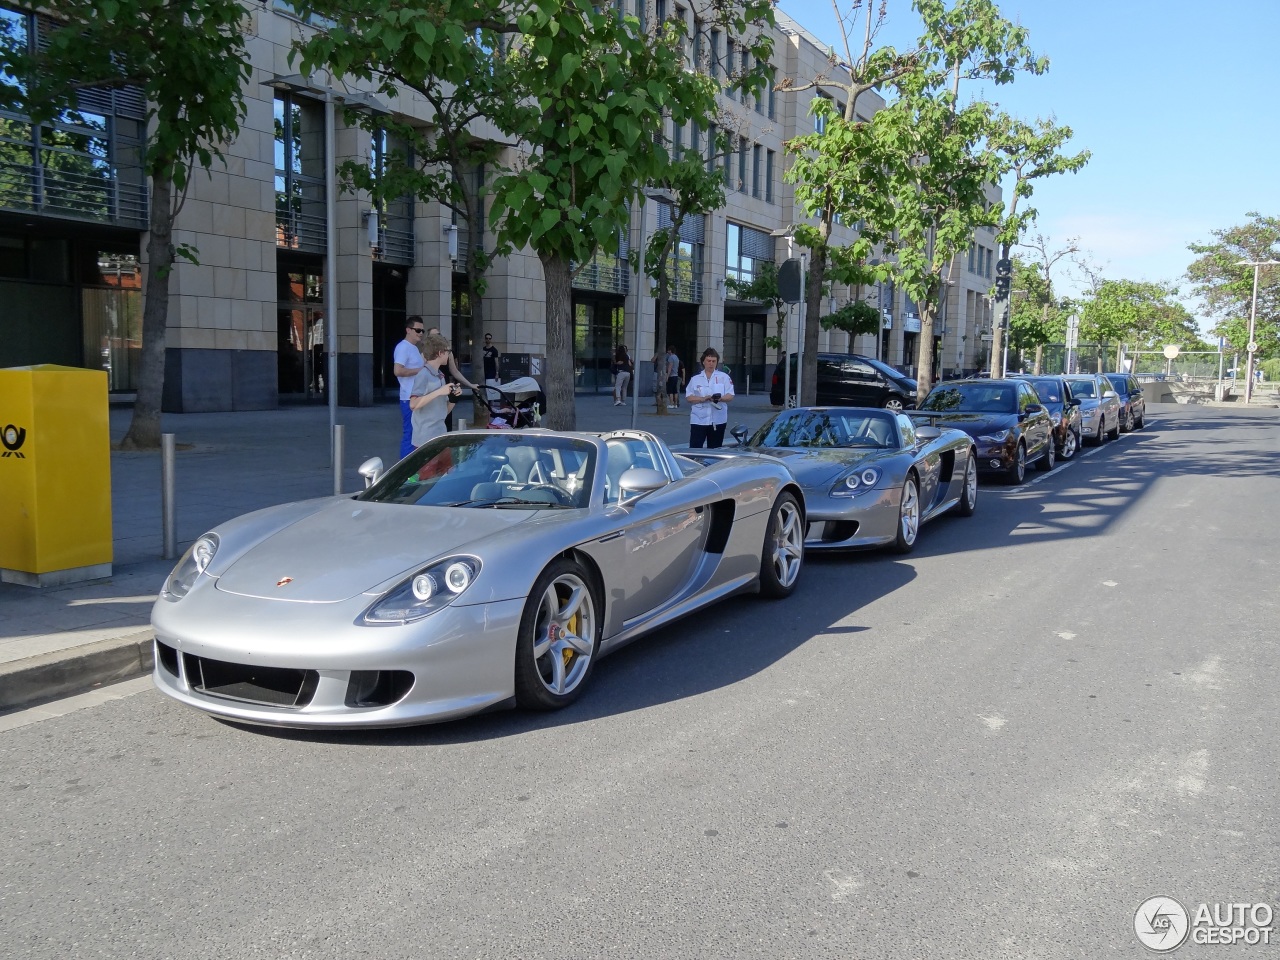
{"x": 574, "y": 626}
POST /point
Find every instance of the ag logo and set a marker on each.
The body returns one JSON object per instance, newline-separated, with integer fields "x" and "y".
{"x": 12, "y": 437}
{"x": 1161, "y": 924}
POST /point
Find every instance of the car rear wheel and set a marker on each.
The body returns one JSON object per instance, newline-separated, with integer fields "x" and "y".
{"x": 1101, "y": 438}
{"x": 969, "y": 487}
{"x": 783, "y": 552}
{"x": 1050, "y": 457}
{"x": 908, "y": 517}
{"x": 1141, "y": 421}
{"x": 893, "y": 403}
{"x": 1070, "y": 445}
{"x": 559, "y": 637}
{"x": 1017, "y": 471}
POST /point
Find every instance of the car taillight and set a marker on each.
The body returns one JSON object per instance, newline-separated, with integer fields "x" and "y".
{"x": 775, "y": 379}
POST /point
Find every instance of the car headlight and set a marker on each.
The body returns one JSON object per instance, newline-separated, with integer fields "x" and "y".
{"x": 193, "y": 563}
{"x": 1000, "y": 437}
{"x": 425, "y": 592}
{"x": 856, "y": 482}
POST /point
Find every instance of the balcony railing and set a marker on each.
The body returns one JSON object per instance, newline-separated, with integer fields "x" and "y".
{"x": 606, "y": 274}
{"x": 300, "y": 231}
{"x": 72, "y": 196}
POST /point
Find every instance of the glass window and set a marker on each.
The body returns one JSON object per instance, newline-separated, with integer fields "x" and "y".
{"x": 742, "y": 164}
{"x": 769, "y": 159}
{"x": 299, "y": 174}
{"x": 756, "y": 151}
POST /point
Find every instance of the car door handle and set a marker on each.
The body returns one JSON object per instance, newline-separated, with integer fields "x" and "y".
{"x": 612, "y": 536}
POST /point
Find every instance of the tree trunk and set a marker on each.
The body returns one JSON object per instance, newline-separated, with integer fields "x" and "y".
{"x": 660, "y": 400}
{"x": 1039, "y": 359}
{"x": 559, "y": 306}
{"x": 924, "y": 350}
{"x": 475, "y": 280}
{"x": 144, "y": 428}
{"x": 808, "y": 395}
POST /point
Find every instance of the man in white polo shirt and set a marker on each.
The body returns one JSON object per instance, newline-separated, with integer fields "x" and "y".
{"x": 708, "y": 393}
{"x": 406, "y": 364}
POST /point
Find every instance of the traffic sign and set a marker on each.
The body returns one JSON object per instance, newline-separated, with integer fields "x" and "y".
{"x": 1171, "y": 352}
{"x": 1252, "y": 347}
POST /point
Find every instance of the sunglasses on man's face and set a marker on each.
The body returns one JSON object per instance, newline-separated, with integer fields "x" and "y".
{"x": 416, "y": 329}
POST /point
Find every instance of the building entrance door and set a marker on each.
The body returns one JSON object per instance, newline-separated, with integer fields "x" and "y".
{"x": 300, "y": 323}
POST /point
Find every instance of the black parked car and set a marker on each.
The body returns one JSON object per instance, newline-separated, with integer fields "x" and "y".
{"x": 1064, "y": 410}
{"x": 851, "y": 380}
{"x": 1006, "y": 418}
{"x": 1133, "y": 405}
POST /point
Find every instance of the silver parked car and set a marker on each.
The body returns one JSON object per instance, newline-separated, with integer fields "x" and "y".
{"x": 1099, "y": 406}
{"x": 487, "y": 568}
{"x": 871, "y": 477}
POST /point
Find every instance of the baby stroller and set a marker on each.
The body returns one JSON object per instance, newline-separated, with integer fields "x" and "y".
{"x": 513, "y": 405}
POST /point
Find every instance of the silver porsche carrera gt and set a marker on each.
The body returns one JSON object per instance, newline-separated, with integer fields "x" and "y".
{"x": 488, "y": 568}
{"x": 870, "y": 476}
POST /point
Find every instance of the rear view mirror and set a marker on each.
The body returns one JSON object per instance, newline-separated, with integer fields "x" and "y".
{"x": 739, "y": 433}
{"x": 371, "y": 470}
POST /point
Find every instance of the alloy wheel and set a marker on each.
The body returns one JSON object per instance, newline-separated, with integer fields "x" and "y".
{"x": 788, "y": 543}
{"x": 564, "y": 632}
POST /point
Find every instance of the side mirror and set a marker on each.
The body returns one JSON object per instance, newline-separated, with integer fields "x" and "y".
{"x": 928, "y": 433}
{"x": 1074, "y": 401}
{"x": 637, "y": 481}
{"x": 371, "y": 470}
{"x": 739, "y": 433}
{"x": 1035, "y": 408}
{"x": 1110, "y": 394}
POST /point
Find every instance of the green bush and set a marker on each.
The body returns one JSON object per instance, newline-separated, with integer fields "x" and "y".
{"x": 1271, "y": 369}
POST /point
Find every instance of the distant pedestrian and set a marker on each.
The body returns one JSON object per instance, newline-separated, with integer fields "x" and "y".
{"x": 622, "y": 370}
{"x": 709, "y": 394}
{"x": 673, "y": 377}
{"x": 406, "y": 362}
{"x": 490, "y": 355}
{"x": 432, "y": 396}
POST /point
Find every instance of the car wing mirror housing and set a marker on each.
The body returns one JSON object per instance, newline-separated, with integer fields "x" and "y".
{"x": 371, "y": 470}
{"x": 928, "y": 433}
{"x": 739, "y": 433}
{"x": 637, "y": 481}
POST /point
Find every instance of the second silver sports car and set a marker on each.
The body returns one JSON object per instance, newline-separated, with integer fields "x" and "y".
{"x": 870, "y": 477}
{"x": 486, "y": 568}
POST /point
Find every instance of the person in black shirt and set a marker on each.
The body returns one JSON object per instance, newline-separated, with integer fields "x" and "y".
{"x": 490, "y": 354}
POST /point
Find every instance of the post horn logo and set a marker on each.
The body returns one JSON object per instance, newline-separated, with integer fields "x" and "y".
{"x": 13, "y": 437}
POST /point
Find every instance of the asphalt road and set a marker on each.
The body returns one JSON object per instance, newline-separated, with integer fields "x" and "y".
{"x": 997, "y": 747}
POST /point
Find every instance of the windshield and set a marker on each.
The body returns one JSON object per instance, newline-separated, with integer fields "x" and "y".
{"x": 500, "y": 469}
{"x": 993, "y": 397}
{"x": 1047, "y": 390}
{"x": 828, "y": 428}
{"x": 1083, "y": 388}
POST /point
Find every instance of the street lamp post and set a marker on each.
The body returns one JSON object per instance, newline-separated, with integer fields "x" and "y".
{"x": 1253, "y": 312}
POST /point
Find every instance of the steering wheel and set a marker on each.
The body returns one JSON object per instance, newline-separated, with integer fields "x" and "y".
{"x": 562, "y": 498}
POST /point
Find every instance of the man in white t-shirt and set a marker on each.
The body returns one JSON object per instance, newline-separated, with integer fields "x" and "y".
{"x": 407, "y": 363}
{"x": 708, "y": 393}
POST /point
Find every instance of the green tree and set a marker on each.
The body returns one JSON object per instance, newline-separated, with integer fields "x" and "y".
{"x": 1037, "y": 315}
{"x": 189, "y": 60}
{"x": 763, "y": 288}
{"x": 591, "y": 91}
{"x": 942, "y": 199}
{"x": 1226, "y": 287}
{"x": 843, "y": 173}
{"x": 1029, "y": 153}
{"x": 450, "y": 54}
{"x": 1140, "y": 314}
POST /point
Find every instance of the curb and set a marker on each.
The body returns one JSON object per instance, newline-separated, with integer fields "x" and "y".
{"x": 63, "y": 673}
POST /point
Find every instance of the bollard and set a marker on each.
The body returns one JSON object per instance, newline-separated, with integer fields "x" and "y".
{"x": 337, "y": 459}
{"x": 460, "y": 423}
{"x": 168, "y": 516}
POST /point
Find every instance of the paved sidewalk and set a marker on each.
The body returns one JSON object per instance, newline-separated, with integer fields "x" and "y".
{"x": 63, "y": 640}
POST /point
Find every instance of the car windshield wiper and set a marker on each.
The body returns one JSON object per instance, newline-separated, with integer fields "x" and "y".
{"x": 509, "y": 502}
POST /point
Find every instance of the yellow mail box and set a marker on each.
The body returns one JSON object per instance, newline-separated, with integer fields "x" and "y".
{"x": 55, "y": 475}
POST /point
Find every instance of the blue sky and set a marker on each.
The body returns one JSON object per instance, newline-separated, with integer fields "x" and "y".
{"x": 1176, "y": 101}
